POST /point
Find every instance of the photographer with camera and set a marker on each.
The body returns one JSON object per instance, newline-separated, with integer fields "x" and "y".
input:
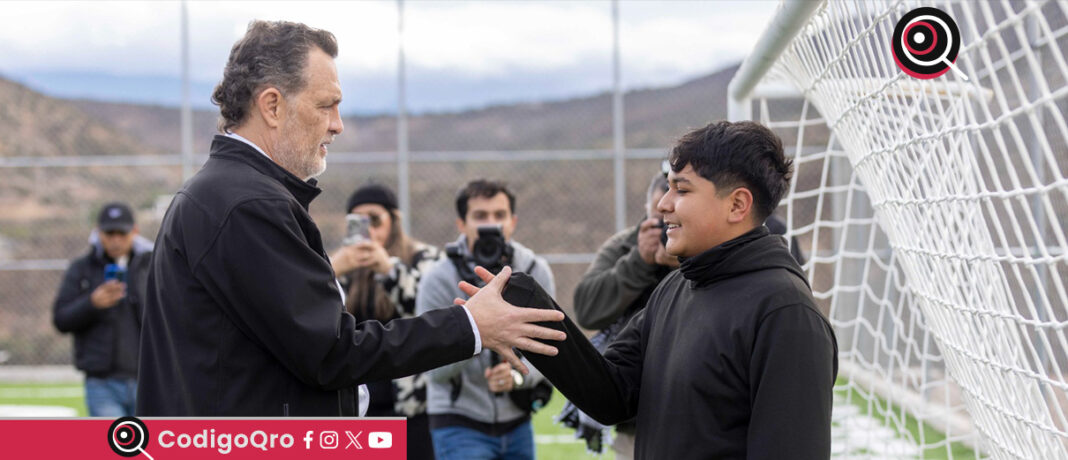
{"x": 379, "y": 267}
{"x": 480, "y": 408}
{"x": 100, "y": 302}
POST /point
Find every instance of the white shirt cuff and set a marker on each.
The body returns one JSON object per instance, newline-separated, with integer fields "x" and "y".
{"x": 474, "y": 328}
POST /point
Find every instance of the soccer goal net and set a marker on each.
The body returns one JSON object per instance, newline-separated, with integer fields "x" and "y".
{"x": 932, "y": 213}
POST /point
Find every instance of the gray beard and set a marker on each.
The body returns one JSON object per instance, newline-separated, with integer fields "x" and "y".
{"x": 303, "y": 166}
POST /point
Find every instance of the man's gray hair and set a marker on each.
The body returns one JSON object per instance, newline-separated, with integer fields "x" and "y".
{"x": 658, "y": 184}
{"x": 272, "y": 53}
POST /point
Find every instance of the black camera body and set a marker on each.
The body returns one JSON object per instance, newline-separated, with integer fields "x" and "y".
{"x": 663, "y": 233}
{"x": 490, "y": 251}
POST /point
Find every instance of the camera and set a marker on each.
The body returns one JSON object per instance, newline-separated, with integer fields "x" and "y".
{"x": 490, "y": 249}
{"x": 663, "y": 232}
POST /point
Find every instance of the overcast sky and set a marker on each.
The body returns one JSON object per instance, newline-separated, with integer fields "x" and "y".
{"x": 459, "y": 54}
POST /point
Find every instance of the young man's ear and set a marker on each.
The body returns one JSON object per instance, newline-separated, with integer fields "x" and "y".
{"x": 459, "y": 225}
{"x": 270, "y": 105}
{"x": 741, "y": 205}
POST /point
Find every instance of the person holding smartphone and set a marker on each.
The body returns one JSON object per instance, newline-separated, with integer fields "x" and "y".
{"x": 99, "y": 301}
{"x": 379, "y": 267}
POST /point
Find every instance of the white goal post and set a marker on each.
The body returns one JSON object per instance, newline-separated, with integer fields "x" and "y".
{"x": 933, "y": 215}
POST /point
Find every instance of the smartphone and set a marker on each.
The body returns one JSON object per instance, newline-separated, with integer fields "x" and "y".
{"x": 359, "y": 229}
{"x": 114, "y": 272}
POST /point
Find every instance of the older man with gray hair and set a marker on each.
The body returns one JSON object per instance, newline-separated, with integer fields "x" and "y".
{"x": 243, "y": 315}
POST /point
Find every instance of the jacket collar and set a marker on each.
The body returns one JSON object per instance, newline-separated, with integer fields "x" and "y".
{"x": 753, "y": 251}
{"x": 141, "y": 245}
{"x": 232, "y": 149}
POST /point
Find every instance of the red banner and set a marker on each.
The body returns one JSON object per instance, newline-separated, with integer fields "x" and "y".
{"x": 223, "y": 438}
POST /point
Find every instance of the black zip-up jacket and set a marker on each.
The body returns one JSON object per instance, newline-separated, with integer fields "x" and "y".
{"x": 96, "y": 330}
{"x": 731, "y": 359}
{"x": 243, "y": 315}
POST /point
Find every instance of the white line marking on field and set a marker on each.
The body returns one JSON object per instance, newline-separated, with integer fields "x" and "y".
{"x": 41, "y": 393}
{"x": 556, "y": 439}
{"x": 37, "y": 411}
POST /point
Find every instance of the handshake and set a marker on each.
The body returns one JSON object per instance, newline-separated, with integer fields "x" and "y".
{"x": 503, "y": 326}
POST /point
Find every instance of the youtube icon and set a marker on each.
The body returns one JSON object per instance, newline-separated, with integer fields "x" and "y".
{"x": 380, "y": 440}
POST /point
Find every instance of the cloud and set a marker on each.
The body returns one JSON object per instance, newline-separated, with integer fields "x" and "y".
{"x": 465, "y": 42}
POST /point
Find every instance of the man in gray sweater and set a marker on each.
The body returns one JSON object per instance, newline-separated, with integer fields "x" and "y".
{"x": 472, "y": 415}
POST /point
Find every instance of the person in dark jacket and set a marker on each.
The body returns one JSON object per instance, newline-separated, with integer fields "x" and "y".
{"x": 100, "y": 301}
{"x": 731, "y": 358}
{"x": 243, "y": 314}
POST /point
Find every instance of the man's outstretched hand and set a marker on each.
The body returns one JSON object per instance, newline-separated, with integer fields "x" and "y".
{"x": 503, "y": 325}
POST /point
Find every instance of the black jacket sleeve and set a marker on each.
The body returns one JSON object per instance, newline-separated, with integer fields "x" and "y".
{"x": 791, "y": 420}
{"x": 72, "y": 310}
{"x": 281, "y": 292}
{"x": 604, "y": 387}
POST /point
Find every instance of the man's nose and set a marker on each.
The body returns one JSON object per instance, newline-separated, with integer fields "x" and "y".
{"x": 665, "y": 205}
{"x": 336, "y": 125}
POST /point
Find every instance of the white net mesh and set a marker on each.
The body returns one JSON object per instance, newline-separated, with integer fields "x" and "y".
{"x": 933, "y": 214}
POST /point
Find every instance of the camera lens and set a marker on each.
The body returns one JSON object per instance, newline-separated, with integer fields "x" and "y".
{"x": 488, "y": 251}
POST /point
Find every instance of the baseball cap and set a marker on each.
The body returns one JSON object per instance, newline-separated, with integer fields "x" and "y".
{"x": 115, "y": 217}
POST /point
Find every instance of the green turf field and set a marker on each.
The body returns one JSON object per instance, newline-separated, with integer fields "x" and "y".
{"x": 70, "y": 395}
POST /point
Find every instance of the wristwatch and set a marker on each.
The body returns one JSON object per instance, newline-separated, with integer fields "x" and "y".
{"x": 517, "y": 378}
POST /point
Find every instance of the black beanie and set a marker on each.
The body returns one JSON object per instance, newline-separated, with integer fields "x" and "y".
{"x": 375, "y": 194}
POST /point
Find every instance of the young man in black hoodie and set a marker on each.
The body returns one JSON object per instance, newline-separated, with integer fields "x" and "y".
{"x": 731, "y": 358}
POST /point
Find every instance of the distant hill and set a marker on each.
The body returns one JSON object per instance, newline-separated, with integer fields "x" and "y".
{"x": 32, "y": 124}
{"x": 654, "y": 117}
{"x": 565, "y": 205}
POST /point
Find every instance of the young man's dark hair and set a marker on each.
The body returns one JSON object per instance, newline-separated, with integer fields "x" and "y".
{"x": 485, "y": 189}
{"x": 271, "y": 53}
{"x": 741, "y": 154}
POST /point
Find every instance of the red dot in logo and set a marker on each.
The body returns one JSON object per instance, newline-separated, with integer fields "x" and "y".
{"x": 934, "y": 37}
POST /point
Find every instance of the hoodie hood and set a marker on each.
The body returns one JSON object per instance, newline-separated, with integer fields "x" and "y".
{"x": 141, "y": 244}
{"x": 754, "y": 251}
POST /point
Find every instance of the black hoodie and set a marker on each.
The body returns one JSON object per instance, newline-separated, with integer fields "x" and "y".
{"x": 731, "y": 359}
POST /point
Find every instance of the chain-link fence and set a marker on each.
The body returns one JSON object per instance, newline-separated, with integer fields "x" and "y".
{"x": 559, "y": 157}
{"x": 564, "y": 204}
